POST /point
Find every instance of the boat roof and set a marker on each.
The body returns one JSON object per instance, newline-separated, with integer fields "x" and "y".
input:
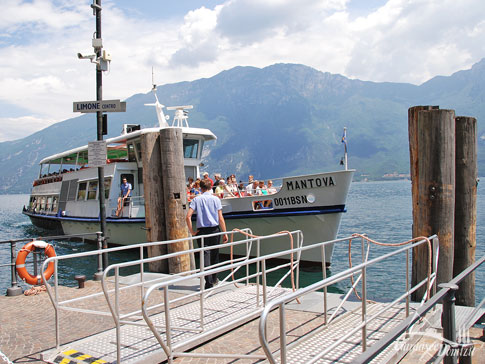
{"x": 124, "y": 138}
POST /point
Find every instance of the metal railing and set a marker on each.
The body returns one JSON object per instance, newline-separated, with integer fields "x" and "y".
{"x": 15, "y": 289}
{"x": 134, "y": 204}
{"x": 446, "y": 296}
{"x": 257, "y": 278}
{"x": 107, "y": 292}
{"x": 323, "y": 284}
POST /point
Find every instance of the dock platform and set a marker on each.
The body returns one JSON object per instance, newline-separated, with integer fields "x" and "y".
{"x": 28, "y": 334}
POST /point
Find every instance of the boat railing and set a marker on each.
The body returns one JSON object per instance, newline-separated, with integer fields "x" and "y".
{"x": 134, "y": 208}
{"x": 367, "y": 319}
{"x": 240, "y": 238}
{"x": 35, "y": 260}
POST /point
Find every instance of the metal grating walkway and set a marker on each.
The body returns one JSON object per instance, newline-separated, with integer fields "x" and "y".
{"x": 138, "y": 345}
{"x": 304, "y": 350}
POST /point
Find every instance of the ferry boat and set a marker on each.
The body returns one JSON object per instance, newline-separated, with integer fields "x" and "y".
{"x": 65, "y": 194}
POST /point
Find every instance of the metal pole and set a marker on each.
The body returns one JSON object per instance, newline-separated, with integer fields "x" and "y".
{"x": 15, "y": 289}
{"x": 99, "y": 274}
{"x": 448, "y": 322}
{"x": 99, "y": 118}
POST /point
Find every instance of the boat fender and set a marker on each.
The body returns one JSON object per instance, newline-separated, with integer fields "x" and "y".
{"x": 22, "y": 256}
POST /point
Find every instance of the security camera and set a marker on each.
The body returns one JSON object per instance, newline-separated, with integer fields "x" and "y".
{"x": 91, "y": 57}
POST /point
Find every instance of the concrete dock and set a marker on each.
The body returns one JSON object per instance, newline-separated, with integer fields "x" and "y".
{"x": 27, "y": 327}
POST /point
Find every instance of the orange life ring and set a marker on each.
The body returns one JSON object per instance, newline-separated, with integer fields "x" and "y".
{"x": 22, "y": 256}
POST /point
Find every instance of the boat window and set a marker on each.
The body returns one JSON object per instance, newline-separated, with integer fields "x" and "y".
{"x": 49, "y": 203}
{"x": 92, "y": 190}
{"x": 131, "y": 153}
{"x": 54, "y": 203}
{"x": 138, "y": 151}
{"x": 37, "y": 205}
{"x": 32, "y": 202}
{"x": 83, "y": 158}
{"x": 42, "y": 203}
{"x": 191, "y": 148}
{"x": 81, "y": 191}
{"x": 107, "y": 185}
{"x": 263, "y": 205}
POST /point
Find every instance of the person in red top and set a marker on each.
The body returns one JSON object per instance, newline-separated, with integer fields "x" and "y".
{"x": 207, "y": 179}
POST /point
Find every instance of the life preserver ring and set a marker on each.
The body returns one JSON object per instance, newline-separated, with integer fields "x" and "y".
{"x": 22, "y": 256}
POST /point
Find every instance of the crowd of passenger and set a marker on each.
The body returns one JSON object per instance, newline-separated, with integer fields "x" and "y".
{"x": 229, "y": 187}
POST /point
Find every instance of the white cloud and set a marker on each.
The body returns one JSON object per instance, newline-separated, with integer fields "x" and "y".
{"x": 401, "y": 41}
{"x": 29, "y": 124}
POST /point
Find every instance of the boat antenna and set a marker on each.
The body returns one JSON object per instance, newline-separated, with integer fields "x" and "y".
{"x": 344, "y": 141}
{"x": 162, "y": 118}
{"x": 181, "y": 116}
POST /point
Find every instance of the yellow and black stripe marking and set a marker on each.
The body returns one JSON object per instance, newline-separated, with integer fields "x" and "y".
{"x": 76, "y": 357}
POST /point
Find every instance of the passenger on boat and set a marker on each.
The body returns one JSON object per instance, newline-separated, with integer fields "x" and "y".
{"x": 209, "y": 221}
{"x": 217, "y": 179}
{"x": 271, "y": 189}
{"x": 232, "y": 186}
{"x": 190, "y": 182}
{"x": 251, "y": 179}
{"x": 222, "y": 190}
{"x": 241, "y": 189}
{"x": 251, "y": 189}
{"x": 196, "y": 188}
{"x": 261, "y": 189}
{"x": 124, "y": 198}
{"x": 207, "y": 179}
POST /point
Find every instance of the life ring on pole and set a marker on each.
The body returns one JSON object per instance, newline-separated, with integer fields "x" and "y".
{"x": 22, "y": 256}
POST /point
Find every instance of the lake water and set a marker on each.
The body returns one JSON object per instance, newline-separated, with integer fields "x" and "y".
{"x": 382, "y": 210}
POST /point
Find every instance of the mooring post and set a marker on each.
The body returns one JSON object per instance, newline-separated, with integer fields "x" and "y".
{"x": 434, "y": 193}
{"x": 465, "y": 206}
{"x": 448, "y": 322}
{"x": 99, "y": 274}
{"x": 420, "y": 253}
{"x": 154, "y": 201}
{"x": 175, "y": 197}
{"x": 15, "y": 289}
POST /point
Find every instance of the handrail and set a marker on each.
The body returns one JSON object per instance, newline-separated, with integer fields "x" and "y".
{"x": 167, "y": 344}
{"x": 53, "y": 293}
{"x": 370, "y": 354}
{"x": 15, "y": 289}
{"x": 281, "y": 301}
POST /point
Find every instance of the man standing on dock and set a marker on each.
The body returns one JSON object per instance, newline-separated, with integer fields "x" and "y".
{"x": 209, "y": 221}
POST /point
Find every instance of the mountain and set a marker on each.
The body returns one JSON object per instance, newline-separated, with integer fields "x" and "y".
{"x": 279, "y": 120}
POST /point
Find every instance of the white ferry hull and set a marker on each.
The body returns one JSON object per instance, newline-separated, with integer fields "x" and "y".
{"x": 313, "y": 204}
{"x": 316, "y": 228}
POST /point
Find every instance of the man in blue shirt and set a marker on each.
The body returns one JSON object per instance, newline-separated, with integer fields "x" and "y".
{"x": 125, "y": 196}
{"x": 209, "y": 221}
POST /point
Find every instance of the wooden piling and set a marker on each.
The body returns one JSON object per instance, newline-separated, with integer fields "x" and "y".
{"x": 154, "y": 199}
{"x": 465, "y": 206}
{"x": 434, "y": 195}
{"x": 413, "y": 154}
{"x": 175, "y": 196}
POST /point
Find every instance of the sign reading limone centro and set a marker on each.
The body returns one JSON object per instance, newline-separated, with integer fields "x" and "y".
{"x": 95, "y": 106}
{"x": 97, "y": 153}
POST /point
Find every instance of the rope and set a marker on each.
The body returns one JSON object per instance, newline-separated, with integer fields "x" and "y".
{"x": 428, "y": 283}
{"x": 258, "y": 236}
{"x": 35, "y": 290}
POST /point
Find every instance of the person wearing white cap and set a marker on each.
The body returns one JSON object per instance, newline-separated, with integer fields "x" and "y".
{"x": 207, "y": 179}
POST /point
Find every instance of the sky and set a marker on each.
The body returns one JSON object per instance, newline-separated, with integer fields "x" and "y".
{"x": 184, "y": 40}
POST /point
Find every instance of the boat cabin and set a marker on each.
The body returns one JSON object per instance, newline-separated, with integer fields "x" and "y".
{"x": 68, "y": 186}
